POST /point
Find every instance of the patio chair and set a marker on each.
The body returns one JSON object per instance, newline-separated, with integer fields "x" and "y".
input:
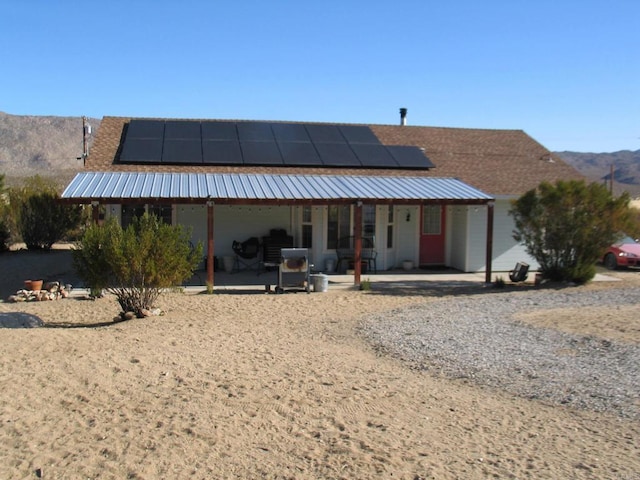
{"x": 519, "y": 273}
{"x": 247, "y": 253}
{"x": 346, "y": 254}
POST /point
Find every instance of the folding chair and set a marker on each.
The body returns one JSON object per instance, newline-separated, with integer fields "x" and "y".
{"x": 247, "y": 253}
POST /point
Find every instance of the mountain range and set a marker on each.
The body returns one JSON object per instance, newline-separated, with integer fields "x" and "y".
{"x": 53, "y": 146}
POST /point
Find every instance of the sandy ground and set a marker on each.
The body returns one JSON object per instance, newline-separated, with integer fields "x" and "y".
{"x": 249, "y": 385}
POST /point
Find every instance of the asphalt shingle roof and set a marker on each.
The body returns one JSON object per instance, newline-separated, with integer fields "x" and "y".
{"x": 498, "y": 162}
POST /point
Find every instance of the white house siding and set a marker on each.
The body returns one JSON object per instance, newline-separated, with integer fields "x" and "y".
{"x": 506, "y": 251}
{"x": 465, "y": 236}
{"x": 241, "y": 222}
{"x": 194, "y": 217}
{"x": 477, "y": 243}
{"x": 469, "y": 251}
{"x": 457, "y": 237}
{"x": 407, "y": 241}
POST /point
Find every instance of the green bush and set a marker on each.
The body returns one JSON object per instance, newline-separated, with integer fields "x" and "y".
{"x": 566, "y": 227}
{"x": 44, "y": 221}
{"x": 137, "y": 263}
{"x": 4, "y": 236}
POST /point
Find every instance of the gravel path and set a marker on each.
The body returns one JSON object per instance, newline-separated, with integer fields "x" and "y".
{"x": 477, "y": 338}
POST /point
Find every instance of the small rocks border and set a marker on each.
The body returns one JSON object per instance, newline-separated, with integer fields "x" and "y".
{"x": 51, "y": 291}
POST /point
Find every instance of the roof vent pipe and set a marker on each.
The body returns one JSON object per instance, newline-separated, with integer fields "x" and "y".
{"x": 403, "y": 116}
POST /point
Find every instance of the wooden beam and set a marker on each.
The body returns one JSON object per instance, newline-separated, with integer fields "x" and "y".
{"x": 489, "y": 253}
{"x": 95, "y": 212}
{"x": 210, "y": 245}
{"x": 357, "y": 244}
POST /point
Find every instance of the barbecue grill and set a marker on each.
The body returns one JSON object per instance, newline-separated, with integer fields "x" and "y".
{"x": 294, "y": 268}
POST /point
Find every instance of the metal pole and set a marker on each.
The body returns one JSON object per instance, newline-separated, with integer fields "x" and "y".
{"x": 84, "y": 140}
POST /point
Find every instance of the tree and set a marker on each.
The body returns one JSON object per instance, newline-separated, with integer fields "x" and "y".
{"x": 44, "y": 221}
{"x": 136, "y": 264}
{"x": 567, "y": 226}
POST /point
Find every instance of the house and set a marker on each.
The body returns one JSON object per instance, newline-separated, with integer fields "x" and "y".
{"x": 432, "y": 196}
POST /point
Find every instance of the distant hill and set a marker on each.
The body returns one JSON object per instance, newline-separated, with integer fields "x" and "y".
{"x": 598, "y": 166}
{"x": 43, "y": 145}
{"x": 50, "y": 146}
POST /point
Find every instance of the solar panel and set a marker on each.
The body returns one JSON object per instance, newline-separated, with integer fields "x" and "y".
{"x": 325, "y": 133}
{"x": 374, "y": 156}
{"x": 263, "y": 143}
{"x": 337, "y": 155}
{"x": 358, "y": 134}
{"x": 299, "y": 153}
{"x": 290, "y": 132}
{"x": 261, "y": 153}
{"x": 409, "y": 157}
{"x": 254, "y": 132}
{"x": 221, "y": 152}
{"x": 182, "y": 129}
{"x": 141, "y": 150}
{"x": 182, "y": 151}
{"x": 219, "y": 131}
{"x": 145, "y": 129}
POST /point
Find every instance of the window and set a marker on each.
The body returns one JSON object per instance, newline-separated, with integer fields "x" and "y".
{"x": 307, "y": 227}
{"x": 390, "y": 222}
{"x": 161, "y": 211}
{"x": 431, "y": 220}
{"x": 369, "y": 222}
{"x": 129, "y": 212}
{"x": 339, "y": 224}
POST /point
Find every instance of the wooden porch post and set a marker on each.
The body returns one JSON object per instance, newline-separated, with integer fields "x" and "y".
{"x": 210, "y": 244}
{"x": 95, "y": 212}
{"x": 489, "y": 254}
{"x": 357, "y": 244}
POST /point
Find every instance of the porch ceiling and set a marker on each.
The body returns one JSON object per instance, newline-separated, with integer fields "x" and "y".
{"x": 229, "y": 188}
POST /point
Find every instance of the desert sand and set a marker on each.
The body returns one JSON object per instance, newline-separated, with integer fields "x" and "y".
{"x": 253, "y": 385}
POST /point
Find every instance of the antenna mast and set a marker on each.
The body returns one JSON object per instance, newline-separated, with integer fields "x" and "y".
{"x": 86, "y": 131}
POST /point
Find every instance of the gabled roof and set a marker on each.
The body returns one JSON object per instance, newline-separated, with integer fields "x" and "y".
{"x": 499, "y": 162}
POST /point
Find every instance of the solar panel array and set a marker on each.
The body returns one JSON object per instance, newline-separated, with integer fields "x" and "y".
{"x": 175, "y": 142}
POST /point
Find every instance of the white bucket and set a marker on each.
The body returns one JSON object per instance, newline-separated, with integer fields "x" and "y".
{"x": 228, "y": 262}
{"x": 320, "y": 282}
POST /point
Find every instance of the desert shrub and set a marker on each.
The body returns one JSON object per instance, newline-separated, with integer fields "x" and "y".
{"x": 5, "y": 233}
{"x": 136, "y": 263}
{"x": 44, "y": 221}
{"x": 567, "y": 226}
{"x": 15, "y": 198}
{"x": 4, "y": 236}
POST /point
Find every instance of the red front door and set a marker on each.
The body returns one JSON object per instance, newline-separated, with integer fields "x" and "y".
{"x": 432, "y": 235}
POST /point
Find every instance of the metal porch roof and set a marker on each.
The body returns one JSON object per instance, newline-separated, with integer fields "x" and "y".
{"x": 119, "y": 187}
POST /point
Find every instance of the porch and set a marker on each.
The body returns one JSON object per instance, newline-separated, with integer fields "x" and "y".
{"x": 249, "y": 280}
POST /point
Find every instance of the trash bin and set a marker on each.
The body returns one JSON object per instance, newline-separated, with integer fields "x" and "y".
{"x": 320, "y": 282}
{"x": 228, "y": 262}
{"x": 329, "y": 265}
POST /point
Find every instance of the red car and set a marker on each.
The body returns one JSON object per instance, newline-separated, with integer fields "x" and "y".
{"x": 624, "y": 253}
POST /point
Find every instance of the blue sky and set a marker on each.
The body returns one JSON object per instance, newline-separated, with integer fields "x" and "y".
{"x": 567, "y": 72}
